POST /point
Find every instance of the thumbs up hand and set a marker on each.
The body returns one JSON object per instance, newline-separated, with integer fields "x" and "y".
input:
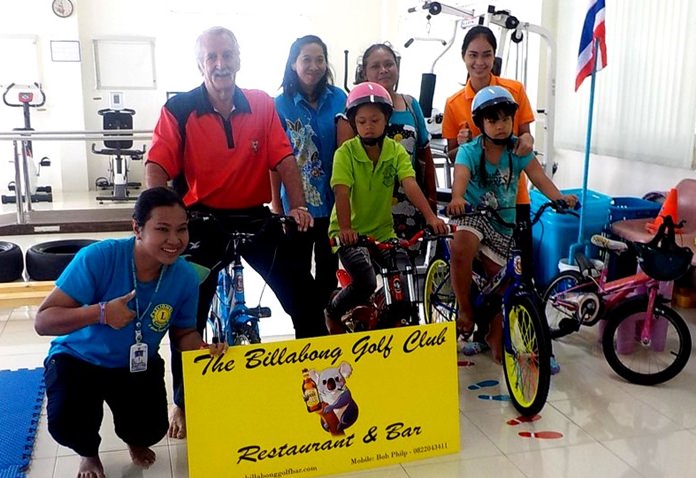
{"x": 464, "y": 135}
{"x": 117, "y": 313}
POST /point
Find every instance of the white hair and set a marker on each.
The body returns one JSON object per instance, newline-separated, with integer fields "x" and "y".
{"x": 215, "y": 31}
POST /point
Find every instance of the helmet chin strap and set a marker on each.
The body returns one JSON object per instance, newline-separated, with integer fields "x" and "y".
{"x": 501, "y": 142}
{"x": 373, "y": 141}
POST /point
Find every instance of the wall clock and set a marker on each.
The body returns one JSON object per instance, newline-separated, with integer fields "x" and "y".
{"x": 62, "y": 8}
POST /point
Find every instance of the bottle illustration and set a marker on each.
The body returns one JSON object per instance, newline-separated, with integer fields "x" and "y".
{"x": 310, "y": 392}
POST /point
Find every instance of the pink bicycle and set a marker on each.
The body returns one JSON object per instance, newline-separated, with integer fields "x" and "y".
{"x": 645, "y": 341}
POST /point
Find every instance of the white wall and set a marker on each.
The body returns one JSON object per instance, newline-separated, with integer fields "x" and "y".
{"x": 265, "y": 30}
{"x": 63, "y": 87}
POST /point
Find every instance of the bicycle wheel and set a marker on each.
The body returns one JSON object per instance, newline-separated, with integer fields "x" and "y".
{"x": 646, "y": 364}
{"x": 560, "y": 306}
{"x": 526, "y": 355}
{"x": 439, "y": 302}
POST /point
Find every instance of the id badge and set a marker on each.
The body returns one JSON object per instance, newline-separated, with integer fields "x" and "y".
{"x": 138, "y": 357}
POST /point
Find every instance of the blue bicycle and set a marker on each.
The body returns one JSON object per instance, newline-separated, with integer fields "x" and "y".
{"x": 526, "y": 341}
{"x": 229, "y": 317}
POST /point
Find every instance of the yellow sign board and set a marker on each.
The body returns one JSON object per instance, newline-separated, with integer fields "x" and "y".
{"x": 325, "y": 405}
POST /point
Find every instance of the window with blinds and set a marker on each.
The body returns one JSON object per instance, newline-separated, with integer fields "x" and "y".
{"x": 645, "y": 99}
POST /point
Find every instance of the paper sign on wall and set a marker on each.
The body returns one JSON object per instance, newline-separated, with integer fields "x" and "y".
{"x": 326, "y": 405}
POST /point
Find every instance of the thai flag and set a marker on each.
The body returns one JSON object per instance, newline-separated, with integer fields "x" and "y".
{"x": 592, "y": 29}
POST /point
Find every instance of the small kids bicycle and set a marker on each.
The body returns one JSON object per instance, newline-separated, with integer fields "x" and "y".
{"x": 229, "y": 317}
{"x": 394, "y": 304}
{"x": 526, "y": 342}
{"x": 645, "y": 341}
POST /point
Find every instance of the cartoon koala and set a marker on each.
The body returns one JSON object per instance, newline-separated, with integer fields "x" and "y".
{"x": 334, "y": 392}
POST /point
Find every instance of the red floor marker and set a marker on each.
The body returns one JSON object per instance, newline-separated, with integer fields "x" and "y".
{"x": 542, "y": 435}
{"x": 521, "y": 419}
{"x": 465, "y": 363}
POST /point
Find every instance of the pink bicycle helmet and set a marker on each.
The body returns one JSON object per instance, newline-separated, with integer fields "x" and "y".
{"x": 365, "y": 93}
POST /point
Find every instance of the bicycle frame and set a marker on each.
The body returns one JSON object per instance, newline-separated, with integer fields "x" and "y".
{"x": 229, "y": 316}
{"x": 393, "y": 288}
{"x": 514, "y": 270}
{"x": 612, "y": 293}
{"x": 512, "y": 278}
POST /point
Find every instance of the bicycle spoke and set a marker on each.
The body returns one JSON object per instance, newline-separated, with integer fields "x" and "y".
{"x": 439, "y": 302}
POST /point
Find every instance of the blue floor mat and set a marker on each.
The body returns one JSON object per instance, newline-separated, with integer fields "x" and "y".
{"x": 21, "y": 397}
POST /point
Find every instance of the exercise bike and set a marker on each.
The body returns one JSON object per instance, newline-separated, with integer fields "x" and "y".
{"x": 118, "y": 150}
{"x": 25, "y": 168}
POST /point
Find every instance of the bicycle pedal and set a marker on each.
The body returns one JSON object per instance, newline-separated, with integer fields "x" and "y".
{"x": 567, "y": 326}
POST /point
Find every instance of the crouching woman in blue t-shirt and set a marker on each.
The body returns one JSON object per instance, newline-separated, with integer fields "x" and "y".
{"x": 110, "y": 310}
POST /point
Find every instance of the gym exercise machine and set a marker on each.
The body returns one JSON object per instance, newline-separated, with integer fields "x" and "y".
{"x": 119, "y": 150}
{"x": 26, "y": 170}
{"x": 519, "y": 34}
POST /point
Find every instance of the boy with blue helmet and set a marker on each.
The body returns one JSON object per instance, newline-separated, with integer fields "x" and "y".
{"x": 486, "y": 172}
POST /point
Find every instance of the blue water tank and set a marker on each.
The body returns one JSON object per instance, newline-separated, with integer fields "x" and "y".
{"x": 553, "y": 235}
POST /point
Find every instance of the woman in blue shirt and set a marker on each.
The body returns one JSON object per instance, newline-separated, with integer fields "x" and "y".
{"x": 308, "y": 108}
{"x": 110, "y": 310}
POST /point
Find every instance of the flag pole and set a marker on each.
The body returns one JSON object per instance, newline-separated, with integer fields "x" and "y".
{"x": 586, "y": 169}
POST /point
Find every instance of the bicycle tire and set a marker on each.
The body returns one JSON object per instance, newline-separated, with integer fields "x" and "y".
{"x": 554, "y": 311}
{"x": 439, "y": 303}
{"x": 642, "y": 364}
{"x": 526, "y": 355}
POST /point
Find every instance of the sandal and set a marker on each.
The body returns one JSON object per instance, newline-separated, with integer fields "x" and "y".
{"x": 473, "y": 348}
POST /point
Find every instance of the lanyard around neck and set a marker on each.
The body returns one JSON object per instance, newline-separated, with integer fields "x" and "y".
{"x": 138, "y": 316}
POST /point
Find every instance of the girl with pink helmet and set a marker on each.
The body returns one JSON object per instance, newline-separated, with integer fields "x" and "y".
{"x": 365, "y": 171}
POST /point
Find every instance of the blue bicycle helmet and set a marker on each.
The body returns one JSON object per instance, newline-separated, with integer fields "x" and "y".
{"x": 488, "y": 98}
{"x": 489, "y": 102}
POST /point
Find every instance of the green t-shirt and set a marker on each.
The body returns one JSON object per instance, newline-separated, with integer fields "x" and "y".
{"x": 371, "y": 186}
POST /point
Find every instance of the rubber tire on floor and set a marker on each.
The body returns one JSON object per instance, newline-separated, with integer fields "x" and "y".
{"x": 11, "y": 261}
{"x": 47, "y": 260}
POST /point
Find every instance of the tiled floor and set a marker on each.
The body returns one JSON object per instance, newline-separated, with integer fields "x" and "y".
{"x": 609, "y": 428}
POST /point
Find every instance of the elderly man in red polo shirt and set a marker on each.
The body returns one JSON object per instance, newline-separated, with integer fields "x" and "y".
{"x": 218, "y": 143}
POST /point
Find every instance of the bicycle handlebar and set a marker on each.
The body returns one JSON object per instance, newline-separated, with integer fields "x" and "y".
{"x": 251, "y": 220}
{"x": 425, "y": 234}
{"x": 559, "y": 205}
